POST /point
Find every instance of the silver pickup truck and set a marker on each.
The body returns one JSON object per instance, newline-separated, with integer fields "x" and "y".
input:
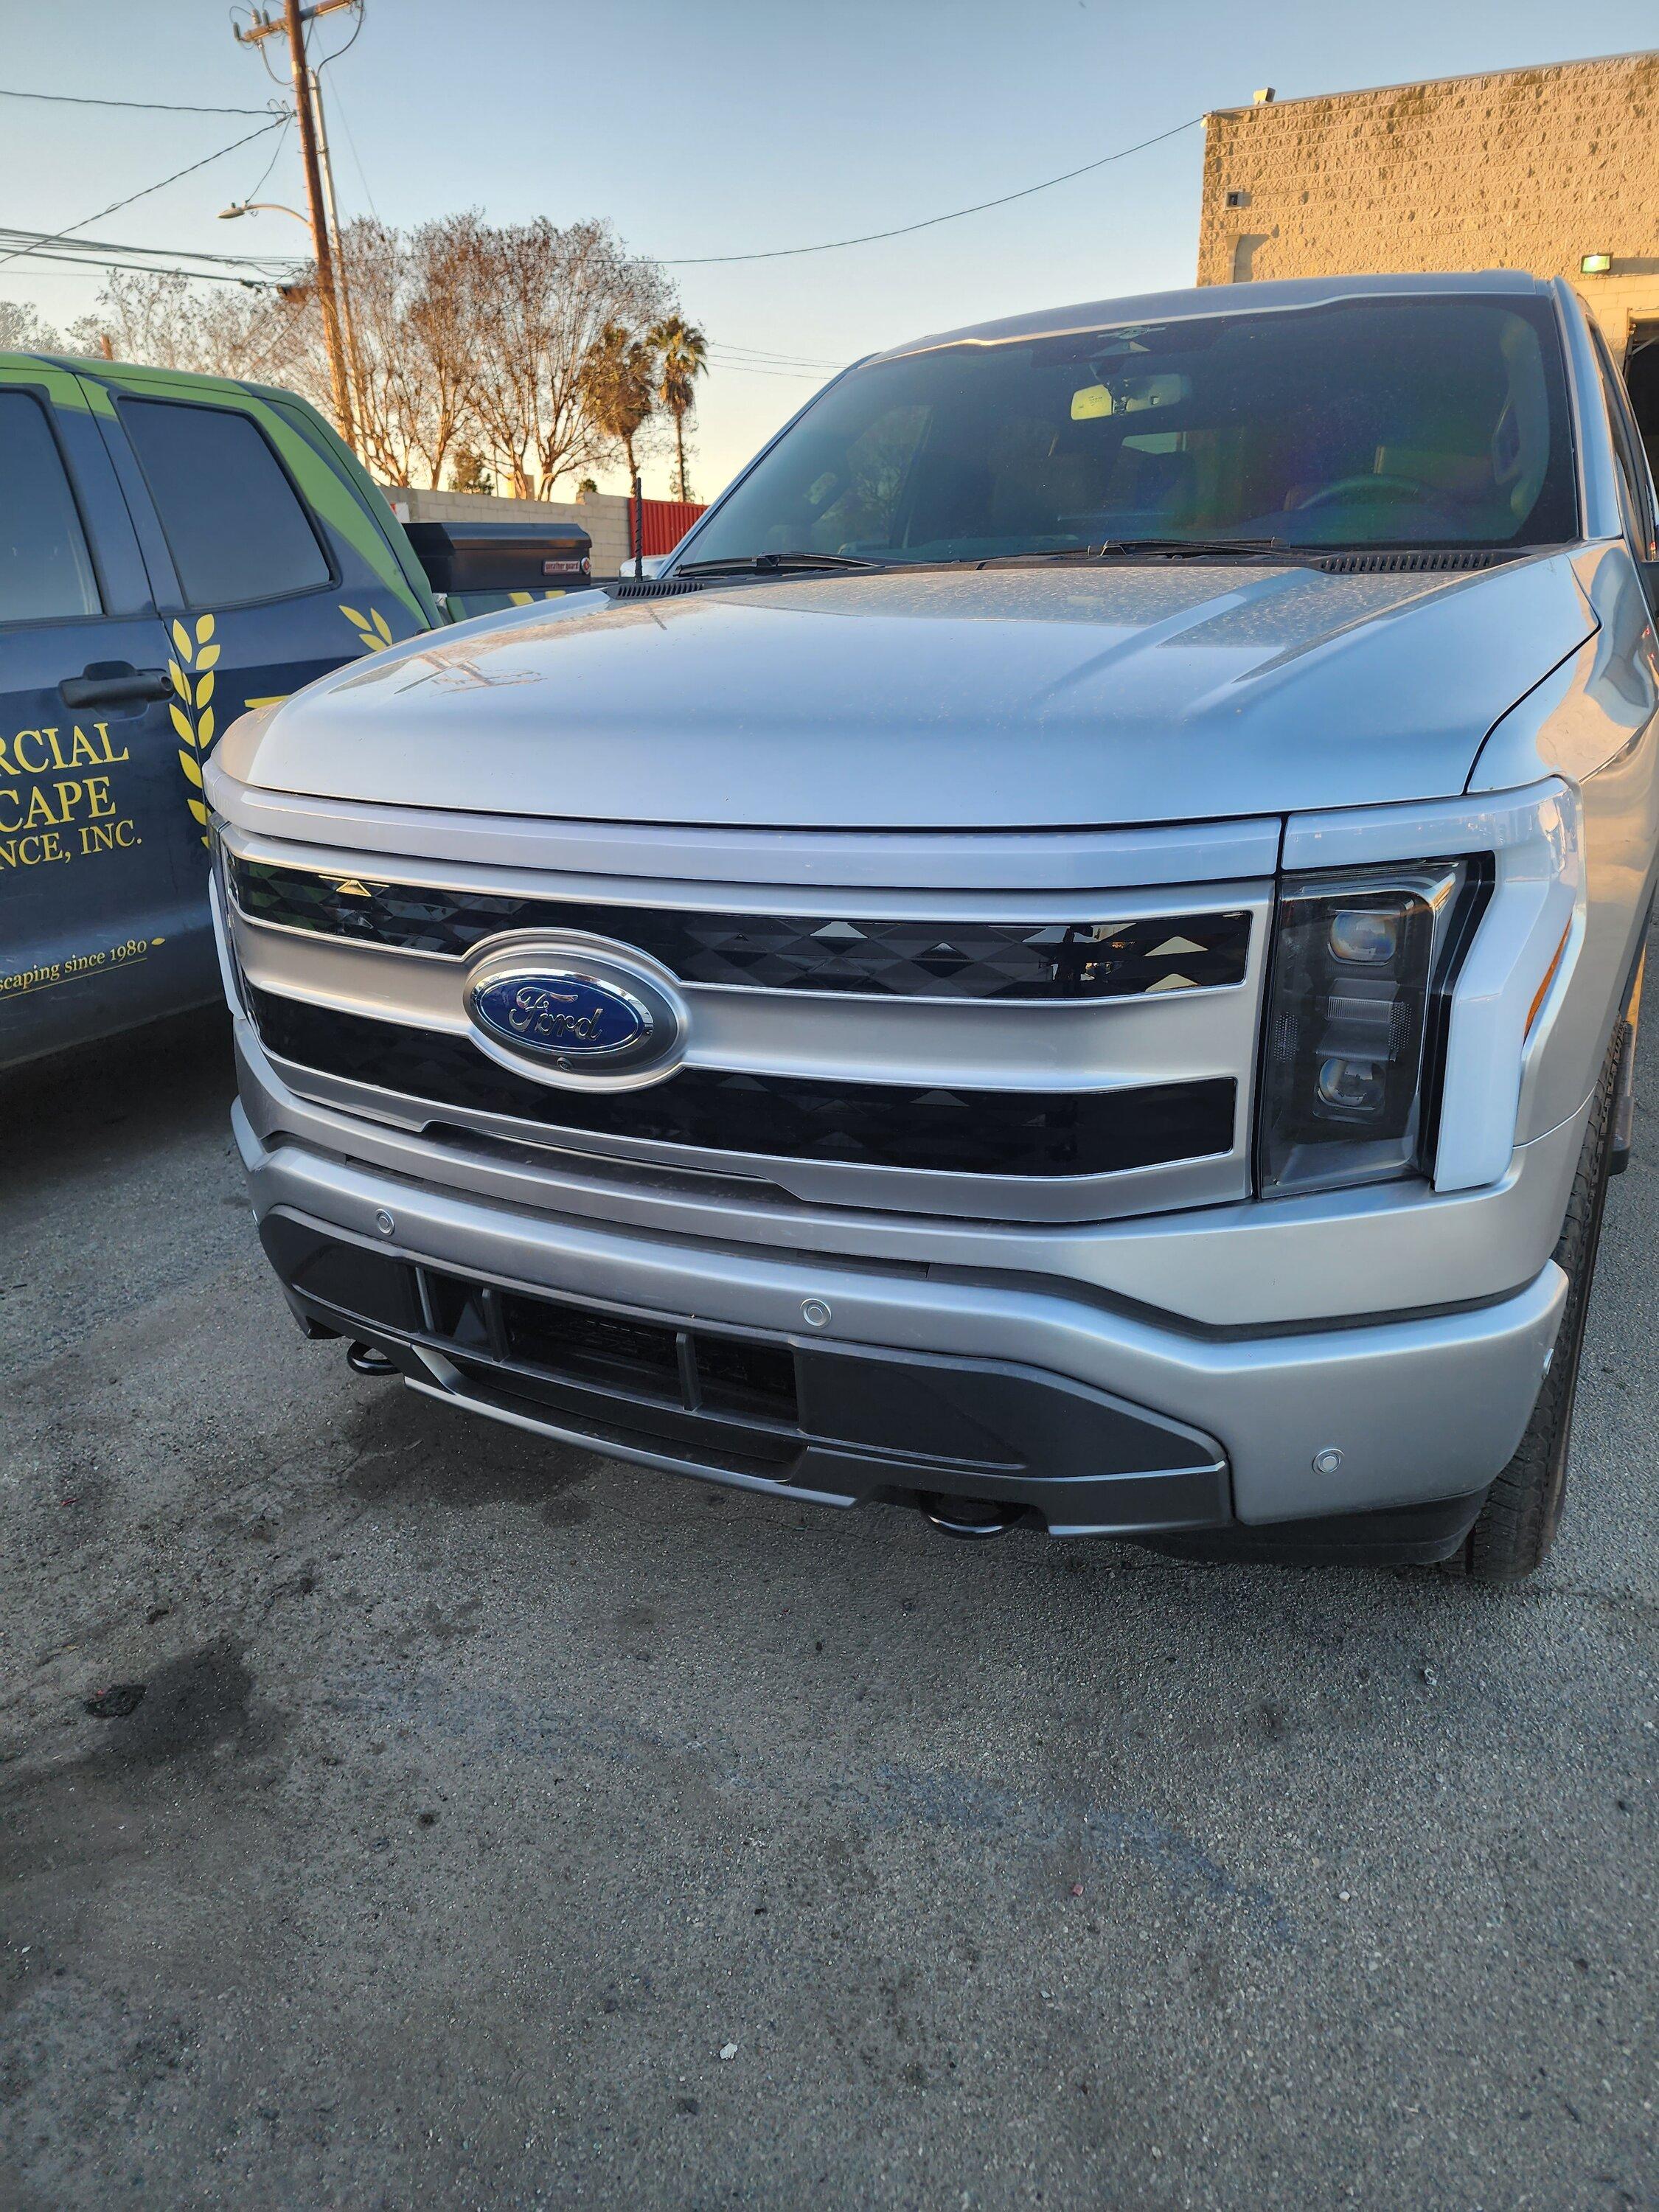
{"x": 1073, "y": 957}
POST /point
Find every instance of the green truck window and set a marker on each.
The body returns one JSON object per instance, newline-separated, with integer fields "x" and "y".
{"x": 234, "y": 524}
{"x": 46, "y": 571}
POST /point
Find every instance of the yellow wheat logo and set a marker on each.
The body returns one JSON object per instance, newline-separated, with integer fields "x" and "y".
{"x": 192, "y": 677}
{"x": 370, "y": 628}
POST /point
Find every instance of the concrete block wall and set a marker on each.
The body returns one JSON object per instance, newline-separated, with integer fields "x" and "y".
{"x": 1518, "y": 169}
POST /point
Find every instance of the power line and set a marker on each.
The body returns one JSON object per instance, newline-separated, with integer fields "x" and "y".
{"x": 271, "y": 268}
{"x": 357, "y": 32}
{"x": 905, "y": 229}
{"x": 765, "y": 353}
{"x": 346, "y": 124}
{"x": 275, "y": 156}
{"x": 10, "y": 236}
{"x": 722, "y": 359}
{"x": 162, "y": 269}
{"x": 806, "y": 375}
{"x": 152, "y": 106}
{"x": 275, "y": 123}
{"x": 769, "y": 360}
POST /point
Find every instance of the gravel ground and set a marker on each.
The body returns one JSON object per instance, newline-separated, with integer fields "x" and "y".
{"x": 499, "y": 1826}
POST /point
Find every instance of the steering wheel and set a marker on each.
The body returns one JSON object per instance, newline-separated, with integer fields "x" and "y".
{"x": 1393, "y": 488}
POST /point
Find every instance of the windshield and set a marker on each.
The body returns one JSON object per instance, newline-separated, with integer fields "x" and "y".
{"x": 1382, "y": 421}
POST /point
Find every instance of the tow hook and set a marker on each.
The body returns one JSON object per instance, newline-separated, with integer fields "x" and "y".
{"x": 970, "y": 1518}
{"x": 364, "y": 1359}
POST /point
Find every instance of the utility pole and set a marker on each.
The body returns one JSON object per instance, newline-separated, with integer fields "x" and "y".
{"x": 292, "y": 27}
{"x": 341, "y": 276}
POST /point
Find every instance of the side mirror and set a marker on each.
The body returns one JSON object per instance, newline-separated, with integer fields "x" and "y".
{"x": 501, "y": 556}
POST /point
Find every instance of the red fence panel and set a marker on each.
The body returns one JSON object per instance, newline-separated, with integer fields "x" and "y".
{"x": 663, "y": 521}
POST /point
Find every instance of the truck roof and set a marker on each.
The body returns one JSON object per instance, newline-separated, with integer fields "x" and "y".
{"x": 94, "y": 364}
{"x": 1197, "y": 299}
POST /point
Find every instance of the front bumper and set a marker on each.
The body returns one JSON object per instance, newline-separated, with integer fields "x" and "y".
{"x": 1101, "y": 1415}
{"x": 807, "y": 1419}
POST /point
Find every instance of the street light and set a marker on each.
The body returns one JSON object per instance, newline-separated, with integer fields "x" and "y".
{"x": 255, "y": 207}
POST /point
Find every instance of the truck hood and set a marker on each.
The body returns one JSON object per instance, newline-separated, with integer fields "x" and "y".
{"x": 979, "y": 699}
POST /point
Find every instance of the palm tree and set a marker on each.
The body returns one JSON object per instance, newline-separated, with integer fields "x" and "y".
{"x": 617, "y": 377}
{"x": 683, "y": 355}
{"x": 616, "y": 383}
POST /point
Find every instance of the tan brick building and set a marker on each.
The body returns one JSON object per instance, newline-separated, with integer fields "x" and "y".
{"x": 1540, "y": 169}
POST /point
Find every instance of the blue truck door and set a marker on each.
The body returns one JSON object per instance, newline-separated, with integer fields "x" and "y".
{"x": 253, "y": 610}
{"x": 98, "y": 895}
{"x": 263, "y": 541}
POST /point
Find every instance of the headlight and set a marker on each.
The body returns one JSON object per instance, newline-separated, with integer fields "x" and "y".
{"x": 1361, "y": 962}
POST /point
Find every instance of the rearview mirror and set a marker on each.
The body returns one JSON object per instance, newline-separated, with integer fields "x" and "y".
{"x": 1129, "y": 395}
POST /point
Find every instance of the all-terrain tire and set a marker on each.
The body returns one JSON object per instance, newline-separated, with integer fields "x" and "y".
{"x": 1517, "y": 1523}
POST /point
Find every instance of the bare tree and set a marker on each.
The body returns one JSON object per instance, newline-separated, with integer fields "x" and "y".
{"x": 270, "y": 336}
{"x": 21, "y": 329}
{"x": 147, "y": 318}
{"x": 266, "y": 334}
{"x": 540, "y": 298}
{"x": 385, "y": 382}
{"x": 473, "y": 345}
{"x": 413, "y": 354}
{"x": 442, "y": 342}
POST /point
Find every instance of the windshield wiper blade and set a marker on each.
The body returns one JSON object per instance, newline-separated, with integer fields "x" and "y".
{"x": 770, "y": 564}
{"x": 1113, "y": 547}
{"x": 1110, "y": 548}
{"x": 1203, "y": 545}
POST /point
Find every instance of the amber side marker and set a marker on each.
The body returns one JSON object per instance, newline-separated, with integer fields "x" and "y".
{"x": 1543, "y": 990}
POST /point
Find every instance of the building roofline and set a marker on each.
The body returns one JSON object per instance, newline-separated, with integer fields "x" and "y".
{"x": 1417, "y": 83}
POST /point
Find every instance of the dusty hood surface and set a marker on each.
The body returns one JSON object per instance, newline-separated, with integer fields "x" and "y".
{"x": 1036, "y": 698}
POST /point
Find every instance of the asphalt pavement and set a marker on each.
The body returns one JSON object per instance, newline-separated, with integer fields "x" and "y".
{"x": 499, "y": 1826}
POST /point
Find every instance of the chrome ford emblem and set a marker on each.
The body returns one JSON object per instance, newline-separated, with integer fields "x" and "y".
{"x": 575, "y": 1011}
{"x": 562, "y": 1014}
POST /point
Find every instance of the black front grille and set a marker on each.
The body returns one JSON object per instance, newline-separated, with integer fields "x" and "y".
{"x": 837, "y": 1421}
{"x": 530, "y": 1345}
{"x": 784, "y": 952}
{"x": 1002, "y": 1133}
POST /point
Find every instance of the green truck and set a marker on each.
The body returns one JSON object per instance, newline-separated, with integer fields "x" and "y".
{"x": 174, "y": 550}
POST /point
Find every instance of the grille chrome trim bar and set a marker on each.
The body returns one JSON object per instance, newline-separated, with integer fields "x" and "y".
{"x": 925, "y": 1129}
{"x": 1217, "y": 1180}
{"x": 990, "y": 887}
{"x": 988, "y": 1044}
{"x": 1030, "y": 961}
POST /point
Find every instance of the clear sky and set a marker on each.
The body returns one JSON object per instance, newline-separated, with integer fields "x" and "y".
{"x": 706, "y": 127}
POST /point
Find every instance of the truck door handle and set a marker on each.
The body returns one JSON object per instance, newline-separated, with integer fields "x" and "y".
{"x": 112, "y": 684}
